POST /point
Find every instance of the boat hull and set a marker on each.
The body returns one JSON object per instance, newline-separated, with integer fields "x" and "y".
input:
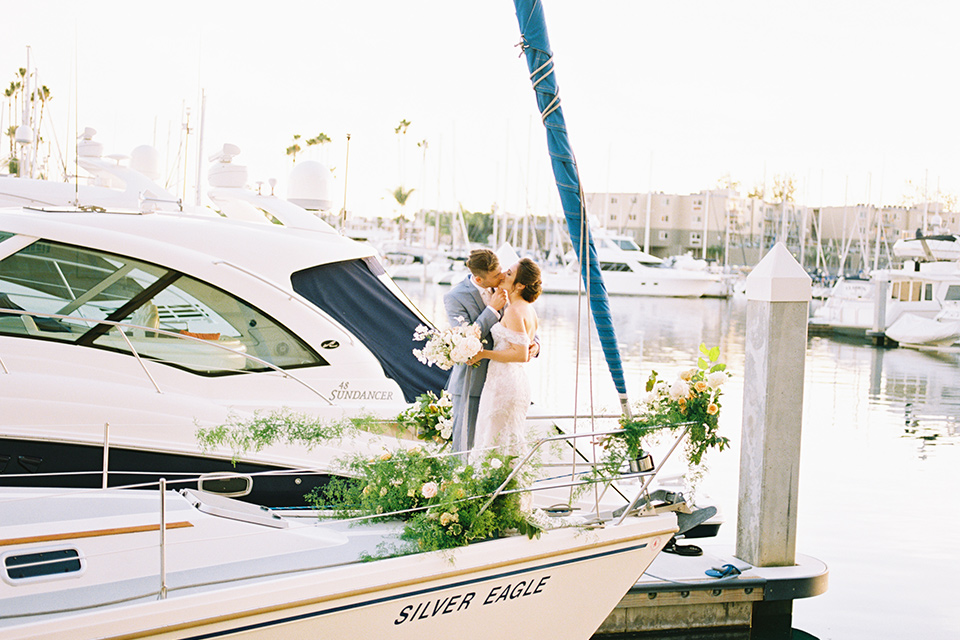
{"x": 649, "y": 282}
{"x": 561, "y": 586}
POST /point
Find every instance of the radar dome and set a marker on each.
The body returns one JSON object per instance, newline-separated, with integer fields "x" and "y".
{"x": 310, "y": 186}
{"x": 223, "y": 173}
{"x": 146, "y": 161}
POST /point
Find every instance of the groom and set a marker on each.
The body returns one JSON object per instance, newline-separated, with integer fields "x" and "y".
{"x": 477, "y": 300}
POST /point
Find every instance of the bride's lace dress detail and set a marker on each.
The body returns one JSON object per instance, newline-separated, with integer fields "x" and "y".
{"x": 502, "y": 413}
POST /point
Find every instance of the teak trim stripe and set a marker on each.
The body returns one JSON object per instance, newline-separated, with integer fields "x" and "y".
{"x": 53, "y": 537}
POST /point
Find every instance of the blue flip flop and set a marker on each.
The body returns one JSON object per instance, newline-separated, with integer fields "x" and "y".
{"x": 726, "y": 571}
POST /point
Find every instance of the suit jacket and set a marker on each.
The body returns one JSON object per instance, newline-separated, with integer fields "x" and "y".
{"x": 464, "y": 301}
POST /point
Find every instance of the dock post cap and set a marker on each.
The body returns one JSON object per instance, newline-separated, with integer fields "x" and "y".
{"x": 779, "y": 278}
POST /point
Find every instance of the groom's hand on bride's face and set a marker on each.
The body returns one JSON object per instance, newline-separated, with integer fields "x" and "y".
{"x": 498, "y": 299}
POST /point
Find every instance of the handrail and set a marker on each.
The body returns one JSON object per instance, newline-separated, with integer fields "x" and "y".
{"x": 647, "y": 476}
{"x": 173, "y": 334}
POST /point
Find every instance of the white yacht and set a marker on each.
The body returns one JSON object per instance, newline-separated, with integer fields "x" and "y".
{"x": 136, "y": 328}
{"x": 630, "y": 271}
{"x": 919, "y": 288}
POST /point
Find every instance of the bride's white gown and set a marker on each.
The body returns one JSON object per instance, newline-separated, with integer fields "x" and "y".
{"x": 502, "y": 412}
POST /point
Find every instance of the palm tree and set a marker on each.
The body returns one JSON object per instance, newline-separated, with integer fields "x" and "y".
{"x": 295, "y": 148}
{"x": 401, "y": 130}
{"x": 401, "y": 195}
{"x": 320, "y": 139}
{"x": 11, "y": 93}
{"x": 44, "y": 96}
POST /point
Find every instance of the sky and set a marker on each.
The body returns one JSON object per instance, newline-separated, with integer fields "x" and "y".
{"x": 851, "y": 99}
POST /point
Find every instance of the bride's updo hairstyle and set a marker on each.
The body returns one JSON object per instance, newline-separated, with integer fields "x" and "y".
{"x": 528, "y": 274}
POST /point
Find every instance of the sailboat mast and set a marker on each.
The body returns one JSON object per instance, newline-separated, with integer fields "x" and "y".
{"x": 536, "y": 48}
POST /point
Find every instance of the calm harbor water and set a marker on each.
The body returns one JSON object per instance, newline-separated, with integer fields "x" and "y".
{"x": 879, "y": 499}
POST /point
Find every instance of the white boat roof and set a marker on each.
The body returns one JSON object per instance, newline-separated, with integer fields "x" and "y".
{"x": 185, "y": 241}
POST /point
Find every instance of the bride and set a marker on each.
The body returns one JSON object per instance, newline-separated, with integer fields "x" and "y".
{"x": 505, "y": 397}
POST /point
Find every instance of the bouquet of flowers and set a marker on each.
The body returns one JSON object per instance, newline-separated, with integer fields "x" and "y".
{"x": 693, "y": 398}
{"x": 447, "y": 347}
{"x": 438, "y": 497}
{"x": 430, "y": 418}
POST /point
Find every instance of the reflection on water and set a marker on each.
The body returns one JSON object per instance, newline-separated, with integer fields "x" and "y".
{"x": 927, "y": 386}
{"x": 921, "y": 389}
{"x": 878, "y": 469}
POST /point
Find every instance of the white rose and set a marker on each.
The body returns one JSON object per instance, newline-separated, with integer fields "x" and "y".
{"x": 680, "y": 389}
{"x": 496, "y": 463}
{"x": 429, "y": 490}
{"x": 472, "y": 344}
{"x": 716, "y": 379}
{"x": 460, "y": 354}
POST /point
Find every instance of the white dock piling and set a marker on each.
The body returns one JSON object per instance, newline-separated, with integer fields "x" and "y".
{"x": 778, "y": 299}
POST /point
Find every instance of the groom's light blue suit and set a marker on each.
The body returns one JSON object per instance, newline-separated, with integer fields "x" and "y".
{"x": 464, "y": 303}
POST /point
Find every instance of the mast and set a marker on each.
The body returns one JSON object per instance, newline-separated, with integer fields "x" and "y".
{"x": 646, "y": 225}
{"x": 536, "y": 48}
{"x": 203, "y": 117}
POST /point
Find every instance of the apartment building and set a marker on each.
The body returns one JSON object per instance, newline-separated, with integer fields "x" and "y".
{"x": 718, "y": 224}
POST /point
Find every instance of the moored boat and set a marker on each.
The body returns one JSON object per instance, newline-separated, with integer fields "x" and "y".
{"x": 113, "y": 564}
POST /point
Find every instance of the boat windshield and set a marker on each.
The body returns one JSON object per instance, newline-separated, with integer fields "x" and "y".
{"x": 88, "y": 286}
{"x": 626, "y": 244}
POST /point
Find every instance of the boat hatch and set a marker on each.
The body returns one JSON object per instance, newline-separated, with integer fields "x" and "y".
{"x": 233, "y": 509}
{"x": 22, "y": 567}
{"x": 231, "y": 485}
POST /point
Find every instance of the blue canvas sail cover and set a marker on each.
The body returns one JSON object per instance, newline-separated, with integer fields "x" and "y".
{"x": 536, "y": 47}
{"x": 350, "y": 293}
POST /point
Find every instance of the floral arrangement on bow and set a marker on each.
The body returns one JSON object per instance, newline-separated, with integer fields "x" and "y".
{"x": 691, "y": 400}
{"x": 448, "y": 347}
{"x": 430, "y": 418}
{"x": 439, "y": 498}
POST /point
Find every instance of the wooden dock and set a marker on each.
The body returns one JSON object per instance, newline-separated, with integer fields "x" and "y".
{"x": 677, "y": 599}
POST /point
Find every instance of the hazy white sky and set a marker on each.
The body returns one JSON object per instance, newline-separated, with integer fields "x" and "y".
{"x": 840, "y": 95}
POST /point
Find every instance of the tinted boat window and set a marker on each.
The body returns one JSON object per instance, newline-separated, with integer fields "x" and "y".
{"x": 179, "y": 319}
{"x": 44, "y": 563}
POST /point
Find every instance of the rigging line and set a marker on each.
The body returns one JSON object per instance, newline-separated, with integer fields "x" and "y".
{"x": 546, "y": 74}
{"x": 576, "y": 369}
{"x": 550, "y": 108}
{"x": 584, "y": 232}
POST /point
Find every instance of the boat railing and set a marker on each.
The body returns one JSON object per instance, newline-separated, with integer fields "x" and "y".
{"x": 163, "y": 332}
{"x": 269, "y": 517}
{"x": 646, "y": 477}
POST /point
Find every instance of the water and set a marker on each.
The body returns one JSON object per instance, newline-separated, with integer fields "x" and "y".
{"x": 878, "y": 495}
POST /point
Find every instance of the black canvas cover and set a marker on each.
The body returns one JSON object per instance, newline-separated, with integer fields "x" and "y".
{"x": 356, "y": 298}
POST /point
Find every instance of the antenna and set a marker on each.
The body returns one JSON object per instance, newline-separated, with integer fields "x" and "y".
{"x": 346, "y": 173}
{"x": 203, "y": 113}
